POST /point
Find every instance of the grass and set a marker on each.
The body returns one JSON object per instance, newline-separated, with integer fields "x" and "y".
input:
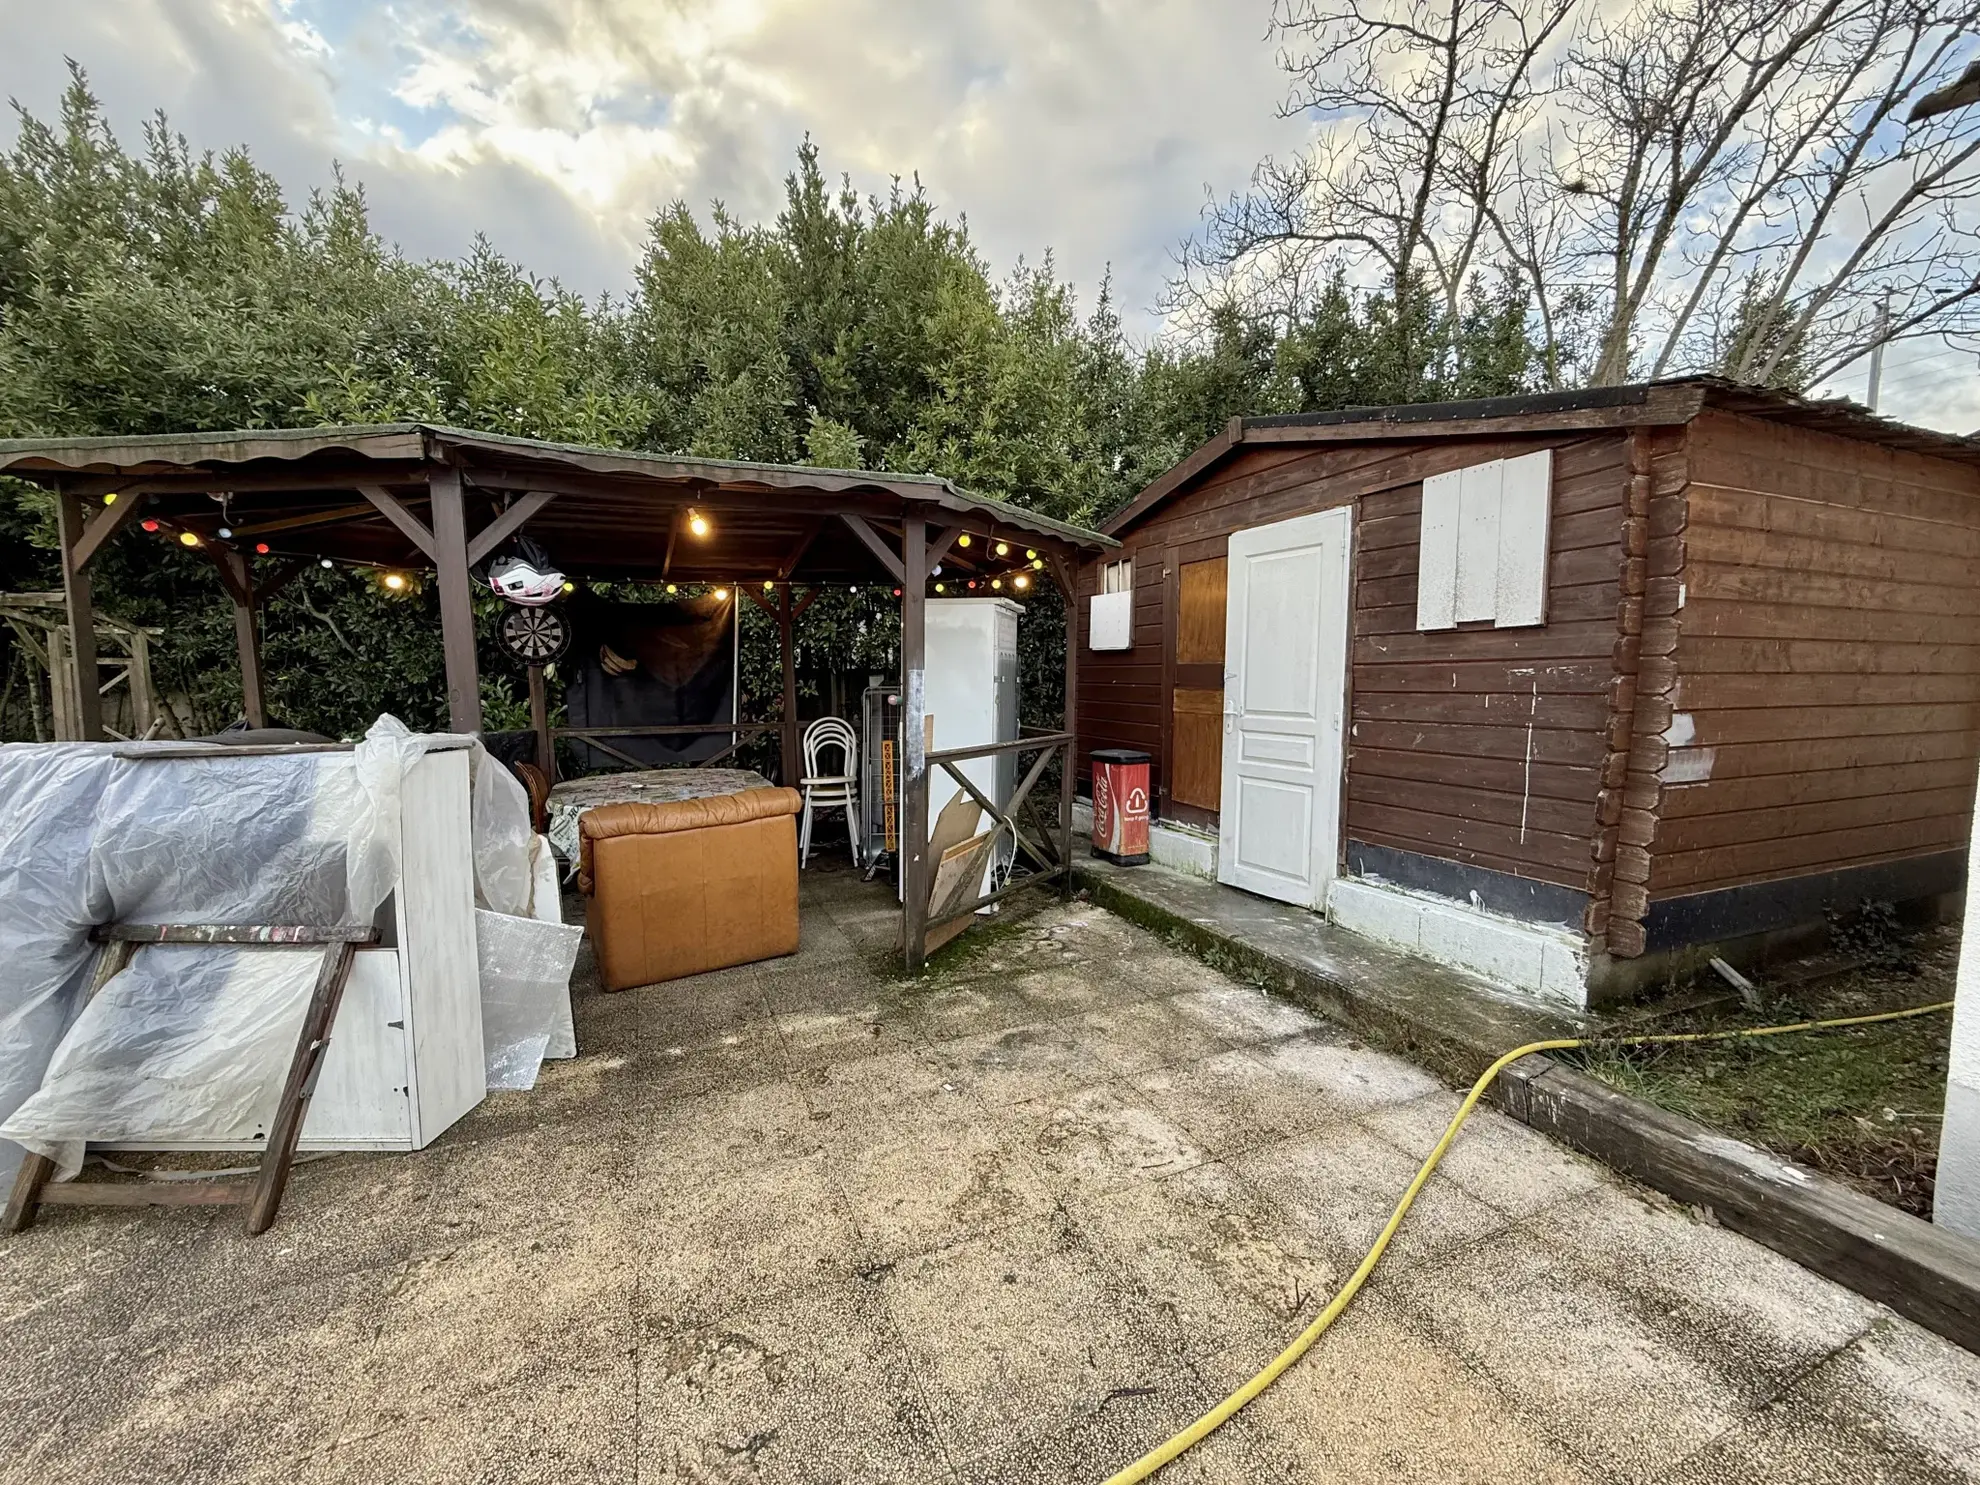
{"x": 1862, "y": 1105}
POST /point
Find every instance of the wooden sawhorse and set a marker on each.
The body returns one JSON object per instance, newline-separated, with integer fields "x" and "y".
{"x": 32, "y": 1186}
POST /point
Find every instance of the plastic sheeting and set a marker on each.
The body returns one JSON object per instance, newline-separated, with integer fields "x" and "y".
{"x": 100, "y": 833}
{"x": 525, "y": 993}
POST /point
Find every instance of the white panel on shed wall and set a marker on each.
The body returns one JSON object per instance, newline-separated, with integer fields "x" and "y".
{"x": 1110, "y": 623}
{"x": 1525, "y": 499}
{"x": 1478, "y": 541}
{"x": 1437, "y": 559}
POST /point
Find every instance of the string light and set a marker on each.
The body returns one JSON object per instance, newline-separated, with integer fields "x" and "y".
{"x": 261, "y": 547}
{"x": 1021, "y": 581}
{"x": 768, "y": 586}
{"x": 721, "y": 593}
{"x": 396, "y": 581}
{"x": 1039, "y": 563}
{"x": 187, "y": 539}
{"x": 997, "y": 584}
{"x": 148, "y": 525}
{"x": 328, "y": 563}
{"x": 225, "y": 532}
{"x": 939, "y": 588}
{"x": 111, "y": 498}
{"x": 570, "y": 587}
{"x": 1030, "y": 554}
{"x": 963, "y": 540}
{"x": 697, "y": 523}
{"x": 672, "y": 589}
{"x": 1003, "y": 549}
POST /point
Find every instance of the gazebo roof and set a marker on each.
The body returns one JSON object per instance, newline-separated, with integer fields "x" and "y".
{"x": 317, "y": 492}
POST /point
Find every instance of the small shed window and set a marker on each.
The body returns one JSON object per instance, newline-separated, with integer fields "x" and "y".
{"x": 1110, "y": 616}
{"x": 1484, "y": 544}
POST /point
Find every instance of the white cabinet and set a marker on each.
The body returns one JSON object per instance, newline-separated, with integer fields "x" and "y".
{"x": 971, "y": 693}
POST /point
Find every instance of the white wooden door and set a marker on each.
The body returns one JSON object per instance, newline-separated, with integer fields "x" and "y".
{"x": 1285, "y": 687}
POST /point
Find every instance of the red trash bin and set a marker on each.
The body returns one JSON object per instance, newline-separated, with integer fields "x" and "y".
{"x": 1120, "y": 806}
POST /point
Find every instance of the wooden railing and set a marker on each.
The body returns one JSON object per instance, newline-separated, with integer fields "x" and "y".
{"x": 594, "y": 737}
{"x": 1049, "y": 849}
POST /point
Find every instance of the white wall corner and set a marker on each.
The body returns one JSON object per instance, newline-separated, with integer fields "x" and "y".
{"x": 1376, "y": 912}
{"x": 1549, "y": 963}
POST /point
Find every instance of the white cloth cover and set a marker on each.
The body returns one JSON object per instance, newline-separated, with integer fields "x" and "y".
{"x": 196, "y": 1041}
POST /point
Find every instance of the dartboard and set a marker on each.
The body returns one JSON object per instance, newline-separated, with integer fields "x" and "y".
{"x": 536, "y": 636}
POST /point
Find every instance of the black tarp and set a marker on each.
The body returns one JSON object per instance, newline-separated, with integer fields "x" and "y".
{"x": 683, "y": 657}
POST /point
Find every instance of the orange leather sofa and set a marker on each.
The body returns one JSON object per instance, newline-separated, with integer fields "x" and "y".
{"x": 690, "y": 885}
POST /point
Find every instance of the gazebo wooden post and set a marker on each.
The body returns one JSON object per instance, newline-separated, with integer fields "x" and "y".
{"x": 247, "y": 634}
{"x": 914, "y": 745}
{"x": 788, "y": 734}
{"x": 88, "y": 708}
{"x": 1065, "y": 569}
{"x": 247, "y": 639}
{"x": 450, "y": 556}
{"x": 539, "y": 723}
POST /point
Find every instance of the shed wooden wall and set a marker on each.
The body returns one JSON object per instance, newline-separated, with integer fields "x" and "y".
{"x": 1826, "y": 706}
{"x": 1480, "y": 746}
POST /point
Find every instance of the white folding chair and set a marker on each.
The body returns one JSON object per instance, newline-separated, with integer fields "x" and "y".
{"x": 825, "y": 788}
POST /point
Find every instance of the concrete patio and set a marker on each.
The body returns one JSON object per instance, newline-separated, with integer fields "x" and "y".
{"x": 1015, "y": 1222}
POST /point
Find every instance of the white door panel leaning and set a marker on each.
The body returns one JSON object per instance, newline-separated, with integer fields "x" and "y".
{"x": 1285, "y": 683}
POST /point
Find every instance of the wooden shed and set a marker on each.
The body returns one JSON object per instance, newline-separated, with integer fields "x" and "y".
{"x": 1555, "y": 687}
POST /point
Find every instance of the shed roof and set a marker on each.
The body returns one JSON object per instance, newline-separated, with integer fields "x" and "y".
{"x": 1643, "y": 404}
{"x": 300, "y": 490}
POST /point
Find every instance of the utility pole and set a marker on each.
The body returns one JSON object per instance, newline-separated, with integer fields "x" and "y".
{"x": 1877, "y": 349}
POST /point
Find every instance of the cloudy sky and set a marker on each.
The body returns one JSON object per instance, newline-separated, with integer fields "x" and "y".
{"x": 1088, "y": 127}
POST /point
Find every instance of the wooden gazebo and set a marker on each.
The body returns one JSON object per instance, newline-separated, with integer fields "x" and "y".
{"x": 263, "y": 504}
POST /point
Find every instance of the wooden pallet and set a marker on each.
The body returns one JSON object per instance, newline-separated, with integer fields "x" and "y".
{"x": 33, "y": 1188}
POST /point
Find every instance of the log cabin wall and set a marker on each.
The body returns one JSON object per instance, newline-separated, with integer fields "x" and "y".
{"x": 1820, "y": 737}
{"x": 1474, "y": 756}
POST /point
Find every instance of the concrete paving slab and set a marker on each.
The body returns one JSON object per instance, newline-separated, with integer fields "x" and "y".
{"x": 1231, "y": 1273}
{"x": 1233, "y": 1102}
{"x": 1101, "y": 1137}
{"x": 738, "y": 1240}
{"x": 1341, "y": 1182}
{"x": 1018, "y": 1336}
{"x": 1680, "y": 1272}
{"x": 1498, "y": 1160}
{"x": 1030, "y": 1061}
{"x": 930, "y": 1173}
{"x": 1627, "y": 1399}
{"x": 1356, "y": 1408}
{"x": 1141, "y": 1035}
{"x": 1243, "y": 1015}
{"x": 711, "y": 1240}
{"x": 815, "y": 1387}
{"x": 1351, "y": 1079}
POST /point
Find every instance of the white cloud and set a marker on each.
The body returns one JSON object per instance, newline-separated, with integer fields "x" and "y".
{"x": 1087, "y": 127}
{"x": 558, "y": 127}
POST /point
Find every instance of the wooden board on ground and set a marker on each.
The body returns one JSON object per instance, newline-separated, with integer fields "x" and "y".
{"x": 956, "y": 878}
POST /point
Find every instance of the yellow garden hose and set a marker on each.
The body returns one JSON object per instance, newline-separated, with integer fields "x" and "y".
{"x": 1211, "y": 1421}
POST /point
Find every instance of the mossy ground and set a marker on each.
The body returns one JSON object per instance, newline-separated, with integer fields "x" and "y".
{"x": 1862, "y": 1105}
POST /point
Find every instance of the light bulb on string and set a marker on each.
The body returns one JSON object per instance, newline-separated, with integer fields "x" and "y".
{"x": 225, "y": 533}
{"x": 963, "y": 540}
{"x": 1030, "y": 554}
{"x": 1021, "y": 582}
{"x": 328, "y": 563}
{"x": 671, "y": 588}
{"x": 148, "y": 525}
{"x": 1003, "y": 549}
{"x": 188, "y": 539}
{"x": 939, "y": 588}
{"x": 697, "y": 523}
{"x": 721, "y": 594}
{"x": 997, "y": 584}
{"x": 261, "y": 548}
